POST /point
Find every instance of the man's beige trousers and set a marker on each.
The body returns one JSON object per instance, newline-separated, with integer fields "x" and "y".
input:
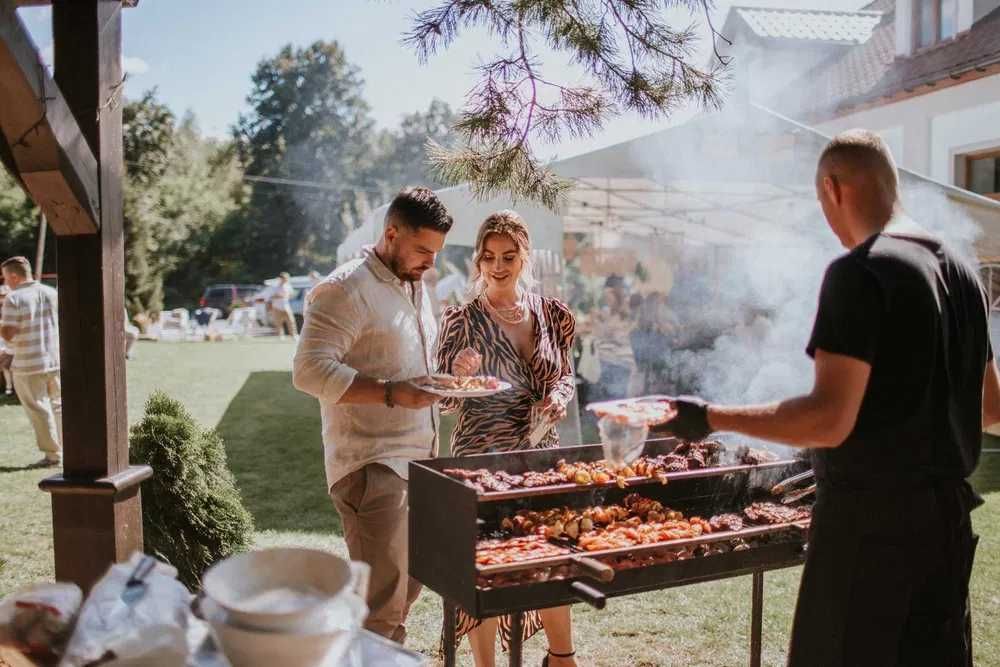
{"x": 373, "y": 507}
{"x": 41, "y": 396}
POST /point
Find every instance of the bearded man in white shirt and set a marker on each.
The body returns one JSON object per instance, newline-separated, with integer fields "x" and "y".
{"x": 369, "y": 331}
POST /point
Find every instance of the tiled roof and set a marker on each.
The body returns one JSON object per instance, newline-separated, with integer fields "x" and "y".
{"x": 871, "y": 70}
{"x": 837, "y": 27}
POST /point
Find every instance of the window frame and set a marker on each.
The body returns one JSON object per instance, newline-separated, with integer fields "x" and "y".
{"x": 979, "y": 155}
{"x": 936, "y": 23}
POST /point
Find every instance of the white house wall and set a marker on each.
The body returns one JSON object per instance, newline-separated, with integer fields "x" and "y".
{"x": 926, "y": 132}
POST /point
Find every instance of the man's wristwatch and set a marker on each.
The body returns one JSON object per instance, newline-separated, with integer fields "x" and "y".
{"x": 388, "y": 395}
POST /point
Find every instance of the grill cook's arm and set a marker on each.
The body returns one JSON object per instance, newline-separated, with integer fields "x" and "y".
{"x": 822, "y": 418}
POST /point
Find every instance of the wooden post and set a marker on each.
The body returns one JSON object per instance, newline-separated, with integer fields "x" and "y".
{"x": 96, "y": 509}
{"x": 40, "y": 248}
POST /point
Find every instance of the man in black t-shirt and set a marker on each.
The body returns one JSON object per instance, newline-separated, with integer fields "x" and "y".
{"x": 904, "y": 383}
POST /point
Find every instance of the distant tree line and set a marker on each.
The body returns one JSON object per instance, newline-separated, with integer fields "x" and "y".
{"x": 193, "y": 218}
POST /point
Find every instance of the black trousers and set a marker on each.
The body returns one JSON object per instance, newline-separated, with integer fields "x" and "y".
{"x": 886, "y": 581}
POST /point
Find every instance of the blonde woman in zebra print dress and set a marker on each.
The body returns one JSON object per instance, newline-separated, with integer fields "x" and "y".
{"x": 508, "y": 332}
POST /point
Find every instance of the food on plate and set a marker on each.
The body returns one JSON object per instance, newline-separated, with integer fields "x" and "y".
{"x": 462, "y": 383}
{"x": 637, "y": 412}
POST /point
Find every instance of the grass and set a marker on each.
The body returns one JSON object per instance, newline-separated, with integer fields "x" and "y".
{"x": 272, "y": 435}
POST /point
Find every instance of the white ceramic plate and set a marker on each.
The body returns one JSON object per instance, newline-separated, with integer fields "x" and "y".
{"x": 463, "y": 393}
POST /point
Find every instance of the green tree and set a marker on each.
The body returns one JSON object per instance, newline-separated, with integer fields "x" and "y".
{"x": 18, "y": 222}
{"x": 308, "y": 122}
{"x": 402, "y": 154}
{"x": 179, "y": 189}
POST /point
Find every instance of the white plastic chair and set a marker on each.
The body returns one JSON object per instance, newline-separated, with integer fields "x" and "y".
{"x": 174, "y": 324}
{"x": 241, "y": 322}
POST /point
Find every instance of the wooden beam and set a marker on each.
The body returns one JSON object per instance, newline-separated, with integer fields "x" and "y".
{"x": 46, "y": 146}
{"x": 43, "y": 3}
{"x": 96, "y": 506}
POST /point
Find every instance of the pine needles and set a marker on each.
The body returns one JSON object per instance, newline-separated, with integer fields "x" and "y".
{"x": 636, "y": 61}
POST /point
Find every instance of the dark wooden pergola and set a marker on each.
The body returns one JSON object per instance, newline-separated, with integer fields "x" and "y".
{"x": 61, "y": 139}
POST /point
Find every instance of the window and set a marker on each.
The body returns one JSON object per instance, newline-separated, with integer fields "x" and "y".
{"x": 982, "y": 174}
{"x": 934, "y": 21}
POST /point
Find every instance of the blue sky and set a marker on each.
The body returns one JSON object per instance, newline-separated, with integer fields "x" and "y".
{"x": 200, "y": 55}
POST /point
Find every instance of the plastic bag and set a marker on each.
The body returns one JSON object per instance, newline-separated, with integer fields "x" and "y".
{"x": 38, "y": 620}
{"x": 150, "y": 630}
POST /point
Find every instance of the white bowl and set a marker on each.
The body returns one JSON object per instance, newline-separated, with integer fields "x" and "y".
{"x": 286, "y": 589}
{"x": 246, "y": 647}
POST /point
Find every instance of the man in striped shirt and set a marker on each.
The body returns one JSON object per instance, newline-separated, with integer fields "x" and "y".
{"x": 30, "y": 325}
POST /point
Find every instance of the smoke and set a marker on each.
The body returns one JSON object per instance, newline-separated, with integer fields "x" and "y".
{"x": 745, "y": 309}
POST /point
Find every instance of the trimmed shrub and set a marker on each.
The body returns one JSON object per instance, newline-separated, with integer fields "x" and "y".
{"x": 192, "y": 512}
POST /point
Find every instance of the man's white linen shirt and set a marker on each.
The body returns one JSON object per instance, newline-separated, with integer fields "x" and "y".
{"x": 363, "y": 319}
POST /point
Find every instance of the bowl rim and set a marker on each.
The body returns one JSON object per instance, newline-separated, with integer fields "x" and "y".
{"x": 213, "y": 587}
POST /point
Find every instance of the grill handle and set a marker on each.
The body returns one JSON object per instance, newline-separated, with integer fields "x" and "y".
{"x": 594, "y": 568}
{"x": 589, "y": 594}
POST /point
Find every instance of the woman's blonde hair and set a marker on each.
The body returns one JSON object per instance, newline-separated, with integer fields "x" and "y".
{"x": 510, "y": 224}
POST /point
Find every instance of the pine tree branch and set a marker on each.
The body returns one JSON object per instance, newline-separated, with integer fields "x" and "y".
{"x": 639, "y": 63}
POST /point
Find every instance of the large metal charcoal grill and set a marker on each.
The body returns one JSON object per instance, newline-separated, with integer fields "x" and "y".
{"x": 447, "y": 517}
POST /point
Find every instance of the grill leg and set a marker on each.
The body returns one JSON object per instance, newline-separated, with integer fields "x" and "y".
{"x": 450, "y": 619}
{"x": 756, "y": 618}
{"x": 516, "y": 637}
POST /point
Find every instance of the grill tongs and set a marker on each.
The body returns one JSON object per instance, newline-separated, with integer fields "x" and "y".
{"x": 789, "y": 496}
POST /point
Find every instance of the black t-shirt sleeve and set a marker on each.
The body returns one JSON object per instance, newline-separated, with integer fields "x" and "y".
{"x": 851, "y": 308}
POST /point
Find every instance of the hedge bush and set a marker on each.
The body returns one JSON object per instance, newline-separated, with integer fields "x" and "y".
{"x": 192, "y": 512}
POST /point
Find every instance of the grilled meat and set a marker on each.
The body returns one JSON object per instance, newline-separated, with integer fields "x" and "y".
{"x": 753, "y": 457}
{"x": 633, "y": 532}
{"x": 516, "y": 550}
{"x": 772, "y": 513}
{"x": 721, "y": 522}
{"x": 686, "y": 456}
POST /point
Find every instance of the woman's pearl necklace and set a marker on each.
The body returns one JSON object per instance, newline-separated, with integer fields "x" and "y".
{"x": 512, "y": 315}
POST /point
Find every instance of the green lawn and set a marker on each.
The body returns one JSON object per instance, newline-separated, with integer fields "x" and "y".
{"x": 272, "y": 435}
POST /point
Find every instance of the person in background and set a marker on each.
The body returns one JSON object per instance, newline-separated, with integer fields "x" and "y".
{"x": 279, "y": 305}
{"x": 650, "y": 345}
{"x": 368, "y": 333}
{"x": 513, "y": 334}
{"x": 6, "y": 353}
{"x": 904, "y": 383}
{"x": 30, "y": 324}
{"x": 611, "y": 328}
{"x": 131, "y": 336}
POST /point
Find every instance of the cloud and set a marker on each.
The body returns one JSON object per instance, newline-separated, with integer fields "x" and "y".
{"x": 133, "y": 65}
{"x": 48, "y": 56}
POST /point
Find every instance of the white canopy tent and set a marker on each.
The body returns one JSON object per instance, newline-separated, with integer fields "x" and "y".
{"x": 468, "y": 212}
{"x": 734, "y": 178}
